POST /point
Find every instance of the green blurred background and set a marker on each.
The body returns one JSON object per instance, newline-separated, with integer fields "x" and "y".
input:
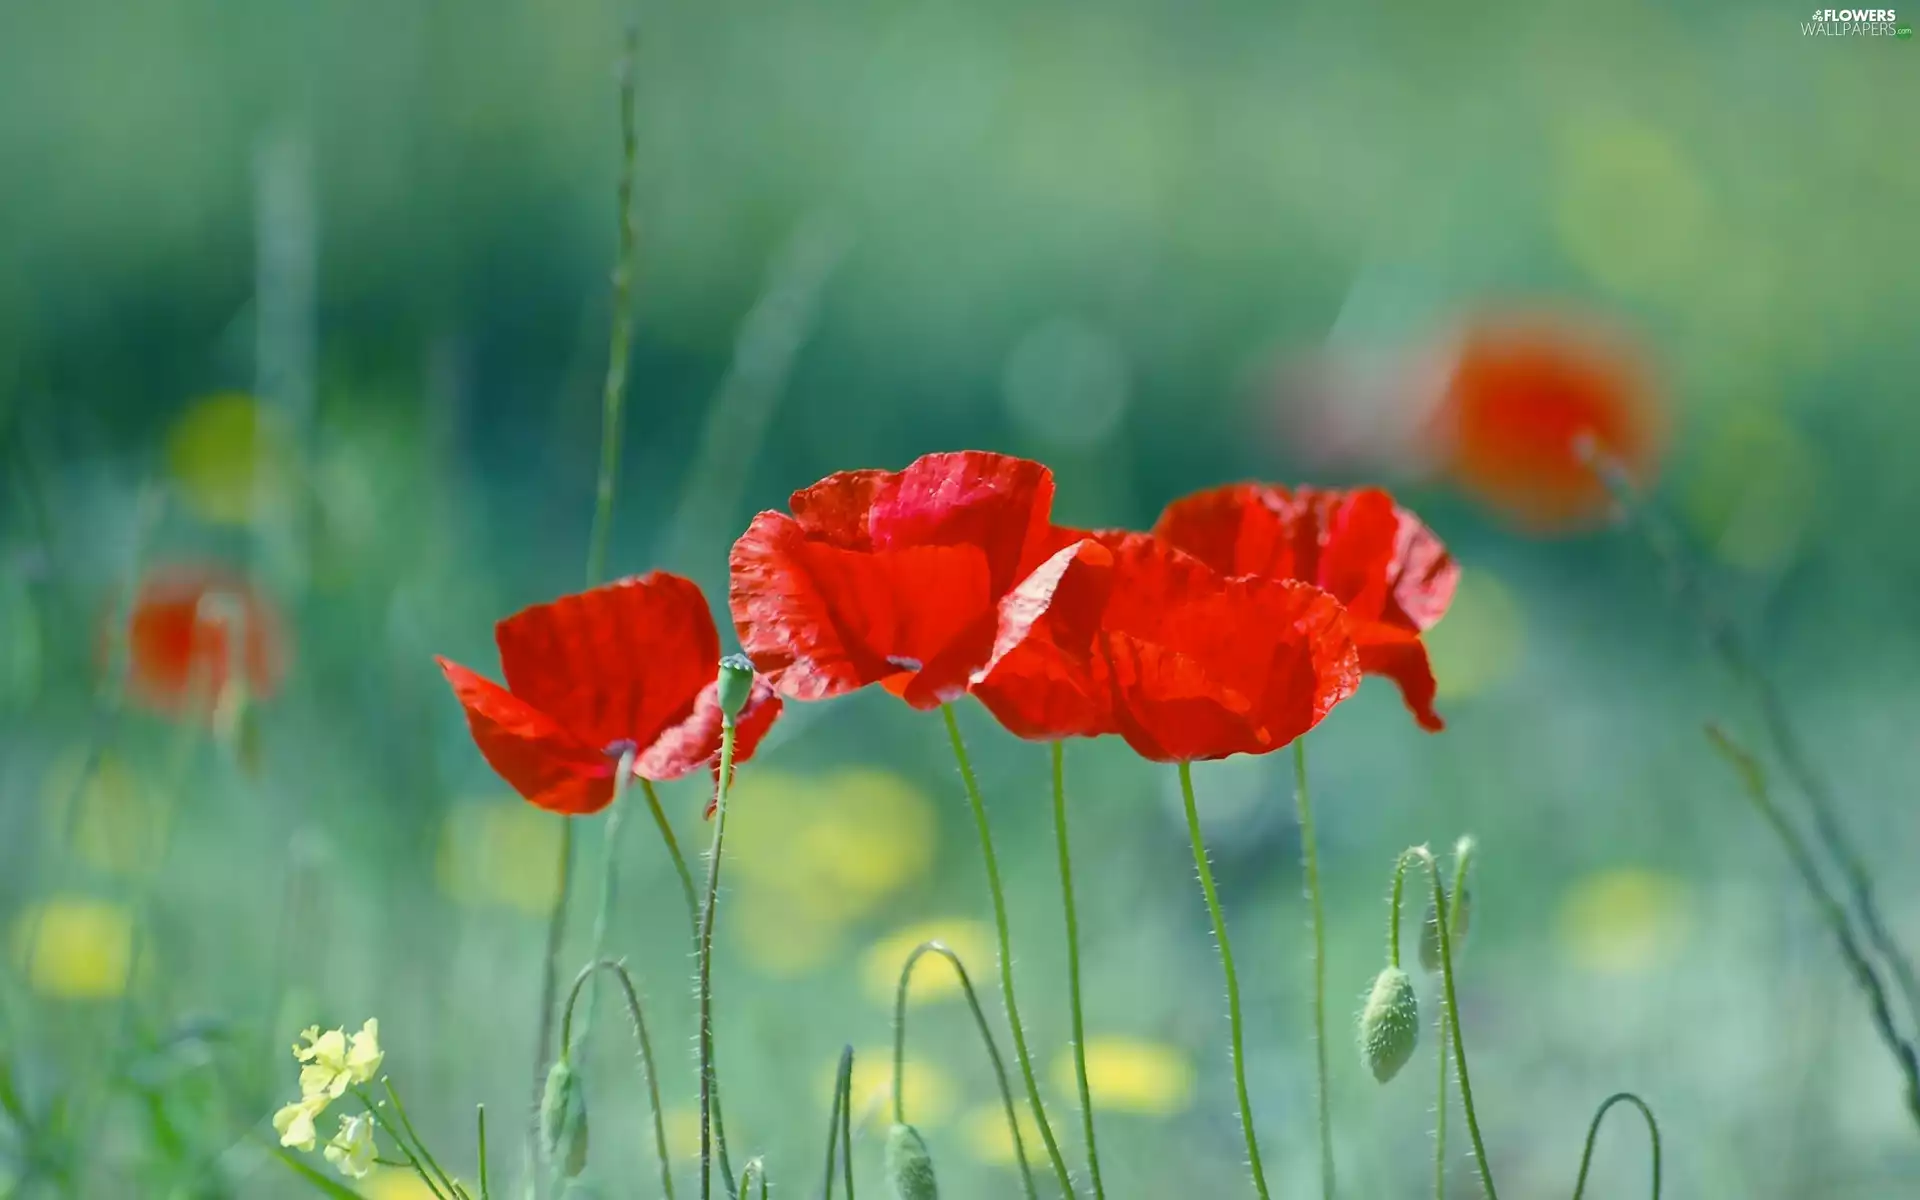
{"x": 321, "y": 289}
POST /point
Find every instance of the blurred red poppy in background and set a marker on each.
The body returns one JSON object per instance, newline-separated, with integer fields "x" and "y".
{"x": 1389, "y": 570}
{"x": 193, "y": 630}
{"x": 891, "y": 577}
{"x": 1522, "y": 393}
{"x": 631, "y": 664}
{"x": 1123, "y": 633}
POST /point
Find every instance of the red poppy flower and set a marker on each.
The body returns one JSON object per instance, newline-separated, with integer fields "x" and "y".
{"x": 1522, "y": 394}
{"x": 192, "y": 629}
{"x": 1385, "y": 566}
{"x": 631, "y": 664}
{"x": 1123, "y": 633}
{"x": 891, "y": 577}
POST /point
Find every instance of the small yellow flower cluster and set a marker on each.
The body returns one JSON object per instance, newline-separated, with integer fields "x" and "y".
{"x": 330, "y": 1063}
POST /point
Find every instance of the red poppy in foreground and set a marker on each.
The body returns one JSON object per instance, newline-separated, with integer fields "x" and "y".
{"x": 891, "y": 577}
{"x": 192, "y": 631}
{"x": 1522, "y": 396}
{"x": 629, "y": 665}
{"x": 1385, "y": 566}
{"x": 1122, "y": 633}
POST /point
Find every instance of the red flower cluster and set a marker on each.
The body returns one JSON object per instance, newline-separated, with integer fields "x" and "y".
{"x": 1233, "y": 628}
{"x": 627, "y": 666}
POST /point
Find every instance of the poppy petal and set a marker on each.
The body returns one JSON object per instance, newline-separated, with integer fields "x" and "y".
{"x": 1045, "y": 677}
{"x": 1170, "y": 709}
{"x": 548, "y": 766}
{"x": 695, "y": 742}
{"x": 1402, "y": 657}
{"x": 620, "y": 662}
{"x": 823, "y": 620}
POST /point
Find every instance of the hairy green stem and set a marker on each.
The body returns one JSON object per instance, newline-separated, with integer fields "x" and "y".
{"x": 1006, "y": 950}
{"x": 986, "y": 1039}
{"x": 1593, "y": 1131}
{"x": 1754, "y": 783}
{"x": 406, "y": 1122}
{"x": 1442, "y": 922}
{"x": 685, "y": 876}
{"x": 609, "y": 875}
{"x": 1310, "y": 863}
{"x": 707, "y": 1138}
{"x": 636, "y": 1014}
{"x": 753, "y": 1172}
{"x": 612, "y": 402}
{"x": 1073, "y": 965}
{"x": 398, "y": 1139}
{"x": 1462, "y": 855}
{"x": 1205, "y": 871}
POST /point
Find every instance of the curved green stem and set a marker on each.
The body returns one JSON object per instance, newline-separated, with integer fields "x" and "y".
{"x": 1442, "y": 922}
{"x": 480, "y": 1136}
{"x": 1593, "y": 1132}
{"x": 1233, "y": 980}
{"x": 1310, "y": 859}
{"x": 1463, "y": 853}
{"x": 986, "y": 1038}
{"x": 1006, "y": 950}
{"x": 637, "y": 1015}
{"x": 685, "y": 876}
{"x": 707, "y": 1132}
{"x": 406, "y": 1122}
{"x": 753, "y": 1172}
{"x": 1073, "y": 965}
{"x": 840, "y": 1123}
{"x": 399, "y": 1139}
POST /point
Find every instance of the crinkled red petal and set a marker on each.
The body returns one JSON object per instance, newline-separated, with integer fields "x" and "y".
{"x": 1402, "y": 657}
{"x": 530, "y": 750}
{"x": 620, "y": 662}
{"x": 1046, "y": 677}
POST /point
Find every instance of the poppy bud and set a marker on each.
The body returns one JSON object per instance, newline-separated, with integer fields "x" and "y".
{"x": 1389, "y": 1024}
{"x": 1458, "y": 916}
{"x": 909, "y": 1166}
{"x": 563, "y": 1119}
{"x": 736, "y": 684}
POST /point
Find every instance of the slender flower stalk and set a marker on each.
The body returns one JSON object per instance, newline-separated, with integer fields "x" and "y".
{"x": 480, "y": 1137}
{"x": 1424, "y": 857}
{"x": 1593, "y": 1132}
{"x": 1668, "y": 546}
{"x": 1006, "y": 950}
{"x": 1073, "y": 966}
{"x": 1310, "y": 863}
{"x": 986, "y": 1039}
{"x": 1462, "y": 855}
{"x": 636, "y": 1014}
{"x": 707, "y": 912}
{"x": 1233, "y": 980}
{"x": 612, "y": 404}
{"x": 840, "y": 1124}
{"x": 609, "y": 875}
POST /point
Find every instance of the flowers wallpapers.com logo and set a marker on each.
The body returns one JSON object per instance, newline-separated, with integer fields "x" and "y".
{"x": 1855, "y": 22}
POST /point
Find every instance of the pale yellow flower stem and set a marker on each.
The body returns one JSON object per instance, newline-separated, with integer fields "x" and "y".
{"x": 986, "y": 1037}
{"x": 400, "y": 1139}
{"x": 1006, "y": 949}
{"x": 1442, "y": 923}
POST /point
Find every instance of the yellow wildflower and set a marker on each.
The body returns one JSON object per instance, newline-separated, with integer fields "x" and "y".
{"x": 925, "y": 1088}
{"x": 501, "y": 852}
{"x": 351, "y": 1150}
{"x": 294, "y": 1123}
{"x": 1624, "y": 921}
{"x": 395, "y": 1184}
{"x": 1130, "y": 1075}
{"x": 334, "y": 1062}
{"x": 987, "y": 1135}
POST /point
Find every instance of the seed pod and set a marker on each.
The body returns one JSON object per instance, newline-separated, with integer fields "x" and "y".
{"x": 909, "y": 1166}
{"x": 563, "y": 1119}
{"x": 736, "y": 684}
{"x": 1458, "y": 914}
{"x": 1389, "y": 1024}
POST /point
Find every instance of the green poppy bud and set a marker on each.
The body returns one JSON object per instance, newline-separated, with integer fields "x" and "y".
{"x": 909, "y": 1166}
{"x": 563, "y": 1119}
{"x": 1460, "y": 916}
{"x": 736, "y": 684}
{"x": 1389, "y": 1024}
